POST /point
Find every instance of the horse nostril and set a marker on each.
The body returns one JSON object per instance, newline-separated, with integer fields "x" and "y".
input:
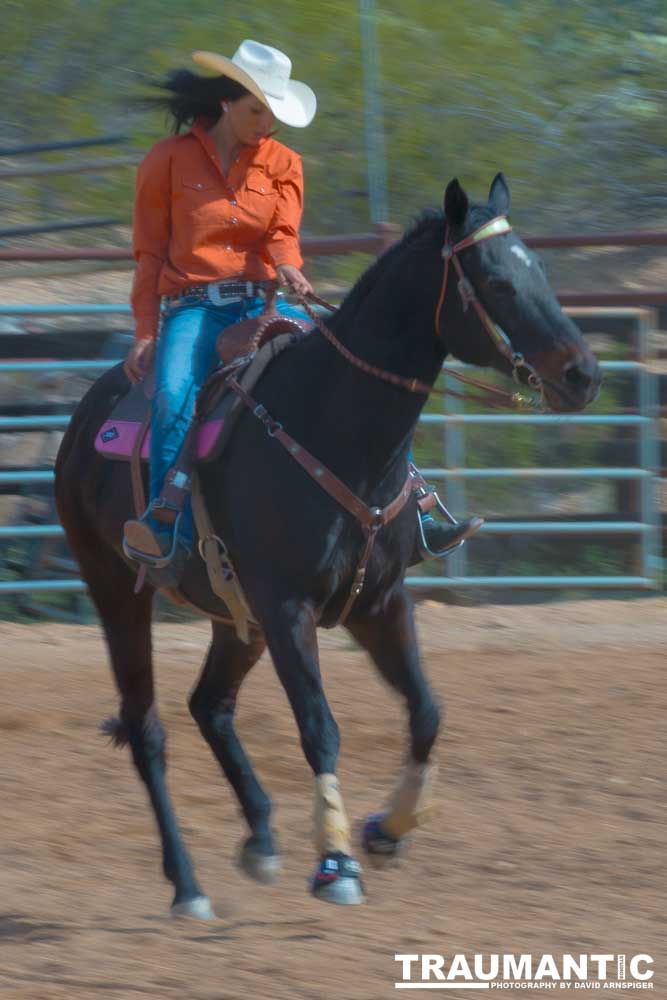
{"x": 577, "y": 378}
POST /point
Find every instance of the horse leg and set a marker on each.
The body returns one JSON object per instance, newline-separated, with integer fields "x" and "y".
{"x": 126, "y": 620}
{"x": 389, "y": 637}
{"x": 292, "y": 638}
{"x": 212, "y": 704}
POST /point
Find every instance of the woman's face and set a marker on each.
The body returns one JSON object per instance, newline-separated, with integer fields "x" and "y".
{"x": 249, "y": 119}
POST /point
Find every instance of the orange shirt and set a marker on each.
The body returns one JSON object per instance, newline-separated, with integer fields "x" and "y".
{"x": 194, "y": 224}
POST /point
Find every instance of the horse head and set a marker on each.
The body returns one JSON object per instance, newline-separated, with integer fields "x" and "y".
{"x": 506, "y": 283}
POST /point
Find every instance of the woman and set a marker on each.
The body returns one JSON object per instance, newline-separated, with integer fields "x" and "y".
{"x": 217, "y": 216}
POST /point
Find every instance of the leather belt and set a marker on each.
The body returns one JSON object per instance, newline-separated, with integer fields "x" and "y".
{"x": 219, "y": 292}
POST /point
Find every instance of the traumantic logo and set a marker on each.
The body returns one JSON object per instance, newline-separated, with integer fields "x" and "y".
{"x": 515, "y": 972}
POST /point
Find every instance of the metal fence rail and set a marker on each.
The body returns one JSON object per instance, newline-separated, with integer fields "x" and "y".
{"x": 384, "y": 235}
{"x": 50, "y": 147}
{"x": 455, "y": 473}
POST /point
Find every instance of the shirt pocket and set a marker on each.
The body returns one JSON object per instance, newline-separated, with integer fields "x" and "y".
{"x": 201, "y": 207}
{"x": 260, "y": 199}
{"x": 193, "y": 184}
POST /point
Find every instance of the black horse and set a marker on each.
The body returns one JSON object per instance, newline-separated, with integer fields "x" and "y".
{"x": 294, "y": 547}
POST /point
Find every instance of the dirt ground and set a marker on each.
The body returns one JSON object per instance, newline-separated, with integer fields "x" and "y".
{"x": 551, "y": 837}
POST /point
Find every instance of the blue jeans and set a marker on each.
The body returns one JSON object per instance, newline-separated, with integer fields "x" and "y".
{"x": 184, "y": 358}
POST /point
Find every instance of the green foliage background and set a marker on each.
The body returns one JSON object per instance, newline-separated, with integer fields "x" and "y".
{"x": 569, "y": 99}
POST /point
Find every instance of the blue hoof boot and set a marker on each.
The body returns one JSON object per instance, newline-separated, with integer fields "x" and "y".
{"x": 376, "y": 841}
{"x": 338, "y": 880}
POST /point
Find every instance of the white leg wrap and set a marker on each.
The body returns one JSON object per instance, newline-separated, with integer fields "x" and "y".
{"x": 332, "y": 828}
{"x": 411, "y": 803}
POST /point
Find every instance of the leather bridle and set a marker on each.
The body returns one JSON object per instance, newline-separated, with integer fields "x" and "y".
{"x": 497, "y": 398}
{"x": 372, "y": 519}
{"x": 497, "y": 226}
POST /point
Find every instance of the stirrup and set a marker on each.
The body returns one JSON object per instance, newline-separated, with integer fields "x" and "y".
{"x": 146, "y": 558}
{"x": 425, "y": 550}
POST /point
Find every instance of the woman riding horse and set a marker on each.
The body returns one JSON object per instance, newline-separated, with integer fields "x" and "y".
{"x": 216, "y": 222}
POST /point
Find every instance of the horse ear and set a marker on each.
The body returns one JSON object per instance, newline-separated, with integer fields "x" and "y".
{"x": 499, "y": 195}
{"x": 456, "y": 204}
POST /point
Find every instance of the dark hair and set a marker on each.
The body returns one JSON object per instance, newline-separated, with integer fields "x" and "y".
{"x": 190, "y": 96}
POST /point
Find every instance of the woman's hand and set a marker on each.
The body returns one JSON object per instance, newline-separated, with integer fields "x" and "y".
{"x": 139, "y": 359}
{"x": 292, "y": 276}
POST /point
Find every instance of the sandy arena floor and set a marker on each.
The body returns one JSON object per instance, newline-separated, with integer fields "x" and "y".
{"x": 551, "y": 836}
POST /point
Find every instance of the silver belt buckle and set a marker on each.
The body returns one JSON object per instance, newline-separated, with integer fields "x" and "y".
{"x": 214, "y": 294}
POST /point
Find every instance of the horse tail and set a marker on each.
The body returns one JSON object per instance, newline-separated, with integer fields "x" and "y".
{"x": 116, "y": 730}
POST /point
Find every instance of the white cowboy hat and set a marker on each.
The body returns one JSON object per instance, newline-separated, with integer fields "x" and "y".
{"x": 265, "y": 72}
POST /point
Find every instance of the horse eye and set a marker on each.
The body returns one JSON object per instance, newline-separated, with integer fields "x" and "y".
{"x": 500, "y": 286}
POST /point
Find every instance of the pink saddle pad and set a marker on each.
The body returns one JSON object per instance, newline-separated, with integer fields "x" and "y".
{"x": 116, "y": 438}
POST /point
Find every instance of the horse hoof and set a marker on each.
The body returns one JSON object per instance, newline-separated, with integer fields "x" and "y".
{"x": 338, "y": 880}
{"x": 376, "y": 842}
{"x": 200, "y": 908}
{"x": 264, "y": 868}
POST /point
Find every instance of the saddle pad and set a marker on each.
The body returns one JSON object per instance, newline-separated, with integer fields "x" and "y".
{"x": 116, "y": 438}
{"x": 117, "y": 435}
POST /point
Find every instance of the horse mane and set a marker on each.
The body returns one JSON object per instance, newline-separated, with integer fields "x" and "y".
{"x": 430, "y": 220}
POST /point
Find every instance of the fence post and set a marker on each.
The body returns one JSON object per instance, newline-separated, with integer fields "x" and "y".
{"x": 387, "y": 234}
{"x": 649, "y": 456}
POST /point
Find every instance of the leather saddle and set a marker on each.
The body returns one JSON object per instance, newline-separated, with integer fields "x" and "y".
{"x": 244, "y": 349}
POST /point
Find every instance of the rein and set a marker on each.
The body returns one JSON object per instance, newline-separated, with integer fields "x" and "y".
{"x": 497, "y": 398}
{"x": 371, "y": 519}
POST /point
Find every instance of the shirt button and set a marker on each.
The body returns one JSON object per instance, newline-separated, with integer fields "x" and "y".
{"x": 228, "y": 248}
{"x": 200, "y": 185}
{"x": 262, "y": 190}
{"x": 232, "y": 202}
{"x": 234, "y": 220}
